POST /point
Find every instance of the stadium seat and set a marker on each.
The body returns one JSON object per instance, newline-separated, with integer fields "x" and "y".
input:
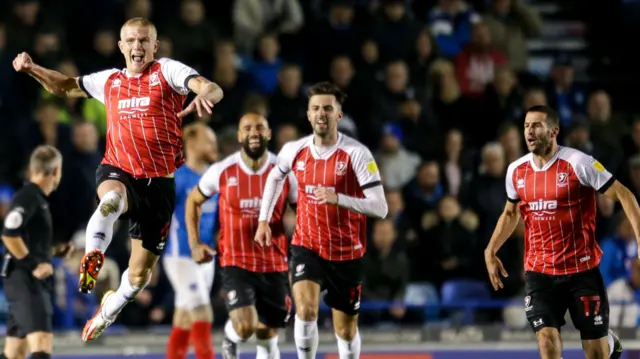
{"x": 463, "y": 294}
{"x": 423, "y": 294}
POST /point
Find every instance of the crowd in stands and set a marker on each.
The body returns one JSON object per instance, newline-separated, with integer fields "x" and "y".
{"x": 436, "y": 89}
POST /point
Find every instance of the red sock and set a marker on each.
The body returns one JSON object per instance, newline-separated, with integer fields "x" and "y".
{"x": 178, "y": 346}
{"x": 201, "y": 339}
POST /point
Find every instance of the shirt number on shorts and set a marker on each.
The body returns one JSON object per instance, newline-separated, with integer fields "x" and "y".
{"x": 591, "y": 305}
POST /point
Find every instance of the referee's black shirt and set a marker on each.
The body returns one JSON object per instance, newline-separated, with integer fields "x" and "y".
{"x": 29, "y": 218}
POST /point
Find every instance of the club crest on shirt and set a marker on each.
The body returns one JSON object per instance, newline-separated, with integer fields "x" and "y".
{"x": 562, "y": 179}
{"x": 341, "y": 168}
{"x": 154, "y": 79}
{"x": 300, "y": 166}
{"x": 116, "y": 83}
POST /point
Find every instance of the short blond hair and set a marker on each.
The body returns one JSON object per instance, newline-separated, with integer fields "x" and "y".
{"x": 141, "y": 21}
{"x": 45, "y": 159}
{"x": 192, "y": 130}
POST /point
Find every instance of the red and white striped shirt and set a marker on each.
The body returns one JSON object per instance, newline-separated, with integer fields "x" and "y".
{"x": 558, "y": 207}
{"x": 241, "y": 191}
{"x": 334, "y": 232}
{"x": 144, "y": 133}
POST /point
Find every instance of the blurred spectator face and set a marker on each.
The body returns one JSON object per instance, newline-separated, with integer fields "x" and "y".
{"x": 3, "y": 36}
{"x": 449, "y": 208}
{"x": 428, "y": 176}
{"x": 165, "y": 49}
{"x": 562, "y": 75}
{"x": 384, "y": 235}
{"x": 341, "y": 14}
{"x": 449, "y": 6}
{"x": 504, "y": 81}
{"x": 225, "y": 74}
{"x": 453, "y": 142}
{"x": 256, "y": 104}
{"x": 290, "y": 79}
{"x": 48, "y": 115}
{"x": 395, "y": 203}
{"x": 205, "y": 145}
{"x": 139, "y": 8}
{"x": 624, "y": 229}
{"x": 389, "y": 144}
{"x": 286, "y": 133}
{"x": 268, "y": 48}
{"x": 599, "y": 107}
{"x": 370, "y": 52}
{"x": 578, "y": 137}
{"x": 493, "y": 161}
{"x": 481, "y": 37}
{"x": 534, "y": 98}
{"x": 341, "y": 71}
{"x": 68, "y": 68}
{"x": 27, "y": 12}
{"x": 411, "y": 109}
{"x": 397, "y": 77}
{"x": 511, "y": 141}
{"x": 85, "y": 137}
{"x": 501, "y": 6}
{"x": 424, "y": 47}
{"x": 192, "y": 12}
{"x": 46, "y": 43}
{"x": 394, "y": 11}
{"x": 105, "y": 42}
{"x": 225, "y": 51}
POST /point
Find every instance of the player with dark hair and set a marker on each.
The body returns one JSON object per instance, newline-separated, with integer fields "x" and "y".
{"x": 553, "y": 188}
{"x": 144, "y": 104}
{"x": 254, "y": 279}
{"x": 339, "y": 185}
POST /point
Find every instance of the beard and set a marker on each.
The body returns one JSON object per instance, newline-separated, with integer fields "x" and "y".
{"x": 543, "y": 147}
{"x": 254, "y": 153}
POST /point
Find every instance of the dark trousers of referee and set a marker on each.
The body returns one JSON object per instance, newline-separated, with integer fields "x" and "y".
{"x": 29, "y": 322}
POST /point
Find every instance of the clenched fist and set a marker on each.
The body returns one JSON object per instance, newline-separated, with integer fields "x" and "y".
{"x": 23, "y": 62}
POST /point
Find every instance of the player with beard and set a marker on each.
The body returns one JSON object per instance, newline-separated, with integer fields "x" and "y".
{"x": 254, "y": 279}
{"x": 553, "y": 189}
{"x": 191, "y": 282}
{"x": 339, "y": 186}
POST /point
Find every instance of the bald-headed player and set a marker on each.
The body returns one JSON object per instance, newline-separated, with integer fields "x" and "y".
{"x": 191, "y": 281}
{"x": 144, "y": 105}
{"x": 254, "y": 278}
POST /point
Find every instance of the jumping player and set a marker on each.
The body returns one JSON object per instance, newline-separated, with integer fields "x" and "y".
{"x": 192, "y": 282}
{"x": 255, "y": 279}
{"x": 554, "y": 189}
{"x": 144, "y": 105}
{"x": 338, "y": 186}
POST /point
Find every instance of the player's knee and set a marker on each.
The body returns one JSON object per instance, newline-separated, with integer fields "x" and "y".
{"x": 181, "y": 319}
{"x": 111, "y": 203}
{"x": 596, "y": 349}
{"x": 202, "y": 313}
{"x": 265, "y": 333}
{"x": 40, "y": 342}
{"x": 548, "y": 340}
{"x": 307, "y": 312}
{"x": 346, "y": 330}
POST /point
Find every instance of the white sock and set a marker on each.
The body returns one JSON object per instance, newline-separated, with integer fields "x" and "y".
{"x": 611, "y": 343}
{"x": 231, "y": 333}
{"x": 349, "y": 350}
{"x": 268, "y": 348}
{"x": 306, "y": 338}
{"x": 126, "y": 292}
{"x": 100, "y": 226}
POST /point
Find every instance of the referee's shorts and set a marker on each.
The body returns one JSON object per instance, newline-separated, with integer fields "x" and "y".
{"x": 30, "y": 306}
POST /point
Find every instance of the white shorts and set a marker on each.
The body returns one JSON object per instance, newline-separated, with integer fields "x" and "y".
{"x": 191, "y": 282}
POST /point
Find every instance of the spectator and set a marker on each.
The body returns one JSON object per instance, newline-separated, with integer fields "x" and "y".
{"x": 397, "y": 165}
{"x": 285, "y": 133}
{"x": 624, "y": 293}
{"x": 567, "y": 97}
{"x": 192, "y": 35}
{"x": 104, "y": 53}
{"x": 395, "y": 31}
{"x": 421, "y": 58}
{"x": 288, "y": 104}
{"x": 451, "y": 22}
{"x": 456, "y": 163}
{"x": 255, "y": 17}
{"x": 618, "y": 251}
{"x": 512, "y": 24}
{"x": 236, "y": 84}
{"x": 267, "y": 65}
{"x": 423, "y": 193}
{"x": 503, "y": 99}
{"x": 510, "y": 138}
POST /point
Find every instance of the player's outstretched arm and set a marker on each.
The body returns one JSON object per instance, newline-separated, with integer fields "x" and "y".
{"x": 374, "y": 203}
{"x": 618, "y": 192}
{"x": 504, "y": 229}
{"x": 208, "y": 94}
{"x": 53, "y": 81}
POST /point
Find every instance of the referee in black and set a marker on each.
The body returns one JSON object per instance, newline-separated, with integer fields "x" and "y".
{"x": 28, "y": 239}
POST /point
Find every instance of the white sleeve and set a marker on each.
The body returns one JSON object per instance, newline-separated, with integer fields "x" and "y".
{"x": 286, "y": 156}
{"x": 209, "y": 183}
{"x": 592, "y": 173}
{"x": 374, "y": 203}
{"x": 512, "y": 194}
{"x": 177, "y": 74}
{"x": 365, "y": 168}
{"x": 293, "y": 188}
{"x": 272, "y": 190}
{"x": 93, "y": 84}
